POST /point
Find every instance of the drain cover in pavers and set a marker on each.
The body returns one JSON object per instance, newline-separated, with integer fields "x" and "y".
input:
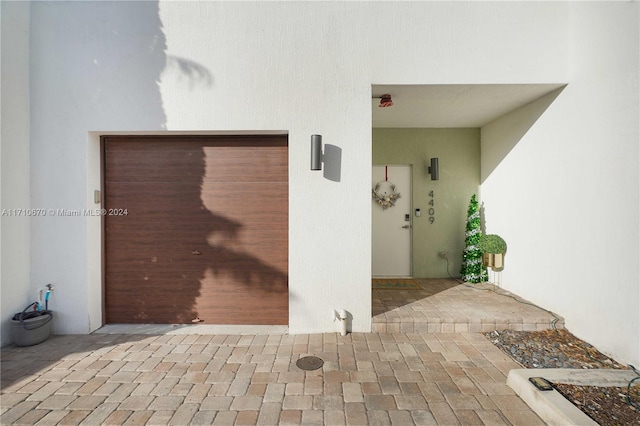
{"x": 309, "y": 363}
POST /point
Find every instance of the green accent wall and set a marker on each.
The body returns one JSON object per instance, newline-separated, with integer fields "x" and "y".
{"x": 458, "y": 151}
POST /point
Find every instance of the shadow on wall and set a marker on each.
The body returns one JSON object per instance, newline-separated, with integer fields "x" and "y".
{"x": 116, "y": 54}
{"x": 501, "y": 136}
{"x": 114, "y": 58}
{"x": 195, "y": 74}
{"x": 203, "y": 240}
{"x": 332, "y": 158}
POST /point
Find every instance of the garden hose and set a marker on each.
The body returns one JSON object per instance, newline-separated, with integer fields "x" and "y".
{"x": 629, "y": 401}
{"x": 38, "y": 312}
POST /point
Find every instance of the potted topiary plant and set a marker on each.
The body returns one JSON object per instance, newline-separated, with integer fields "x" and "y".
{"x": 493, "y": 249}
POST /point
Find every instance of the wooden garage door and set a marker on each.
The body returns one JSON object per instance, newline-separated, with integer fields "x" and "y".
{"x": 196, "y": 229}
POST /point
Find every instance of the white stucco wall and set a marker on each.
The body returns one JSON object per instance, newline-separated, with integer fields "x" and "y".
{"x": 300, "y": 67}
{"x": 15, "y": 287}
{"x": 307, "y": 68}
{"x": 566, "y": 197}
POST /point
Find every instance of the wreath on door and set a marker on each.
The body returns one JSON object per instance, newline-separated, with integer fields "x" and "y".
{"x": 383, "y": 198}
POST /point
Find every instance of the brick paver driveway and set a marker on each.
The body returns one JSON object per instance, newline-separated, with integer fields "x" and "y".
{"x": 367, "y": 378}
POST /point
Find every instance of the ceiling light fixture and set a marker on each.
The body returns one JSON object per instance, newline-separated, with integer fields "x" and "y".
{"x": 385, "y": 100}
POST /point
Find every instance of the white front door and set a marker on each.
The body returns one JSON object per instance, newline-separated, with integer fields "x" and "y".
{"x": 391, "y": 226}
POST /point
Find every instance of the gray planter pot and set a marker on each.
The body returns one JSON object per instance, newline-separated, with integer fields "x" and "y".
{"x": 31, "y": 331}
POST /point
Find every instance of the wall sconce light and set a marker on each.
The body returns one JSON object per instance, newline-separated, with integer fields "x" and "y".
{"x": 433, "y": 169}
{"x": 316, "y": 152}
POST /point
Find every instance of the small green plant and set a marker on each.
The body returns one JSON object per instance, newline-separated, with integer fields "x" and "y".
{"x": 492, "y": 243}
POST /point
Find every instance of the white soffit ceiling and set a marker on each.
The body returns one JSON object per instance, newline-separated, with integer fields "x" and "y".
{"x": 452, "y": 105}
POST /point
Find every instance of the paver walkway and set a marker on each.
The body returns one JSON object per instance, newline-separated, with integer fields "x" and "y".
{"x": 446, "y": 306}
{"x": 373, "y": 378}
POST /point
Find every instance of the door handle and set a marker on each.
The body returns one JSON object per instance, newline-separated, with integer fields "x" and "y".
{"x": 406, "y": 227}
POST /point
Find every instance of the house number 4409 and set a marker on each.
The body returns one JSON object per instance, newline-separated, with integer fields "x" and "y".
{"x": 432, "y": 210}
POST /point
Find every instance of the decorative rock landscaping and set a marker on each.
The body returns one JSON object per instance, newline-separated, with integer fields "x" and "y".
{"x": 561, "y": 349}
